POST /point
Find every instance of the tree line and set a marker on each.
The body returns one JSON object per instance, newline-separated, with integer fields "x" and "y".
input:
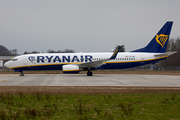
{"x": 172, "y": 60}
{"x": 14, "y": 52}
{"x": 52, "y": 51}
{"x": 5, "y": 52}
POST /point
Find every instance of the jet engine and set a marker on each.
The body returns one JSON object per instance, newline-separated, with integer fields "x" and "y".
{"x": 70, "y": 69}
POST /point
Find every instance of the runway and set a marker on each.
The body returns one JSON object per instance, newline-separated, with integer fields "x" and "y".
{"x": 96, "y": 80}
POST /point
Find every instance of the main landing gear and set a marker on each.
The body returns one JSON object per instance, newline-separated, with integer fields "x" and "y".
{"x": 21, "y": 74}
{"x": 89, "y": 73}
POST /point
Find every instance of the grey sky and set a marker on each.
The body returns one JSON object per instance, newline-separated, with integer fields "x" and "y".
{"x": 84, "y": 25}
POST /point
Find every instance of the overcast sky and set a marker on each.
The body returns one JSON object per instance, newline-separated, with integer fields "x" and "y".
{"x": 84, "y": 25}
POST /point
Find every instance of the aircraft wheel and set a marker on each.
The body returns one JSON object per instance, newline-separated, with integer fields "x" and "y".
{"x": 89, "y": 73}
{"x": 22, "y": 74}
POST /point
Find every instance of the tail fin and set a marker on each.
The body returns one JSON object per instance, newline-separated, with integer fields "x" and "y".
{"x": 159, "y": 43}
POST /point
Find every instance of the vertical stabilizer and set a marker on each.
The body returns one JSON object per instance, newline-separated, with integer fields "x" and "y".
{"x": 159, "y": 43}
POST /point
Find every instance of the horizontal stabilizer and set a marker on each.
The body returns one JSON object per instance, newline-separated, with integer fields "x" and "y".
{"x": 165, "y": 54}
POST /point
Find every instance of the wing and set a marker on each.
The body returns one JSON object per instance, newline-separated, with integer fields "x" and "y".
{"x": 92, "y": 64}
{"x": 99, "y": 62}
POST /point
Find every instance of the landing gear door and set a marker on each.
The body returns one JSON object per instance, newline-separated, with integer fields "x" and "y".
{"x": 25, "y": 61}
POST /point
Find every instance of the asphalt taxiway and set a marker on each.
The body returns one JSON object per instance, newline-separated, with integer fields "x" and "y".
{"x": 96, "y": 80}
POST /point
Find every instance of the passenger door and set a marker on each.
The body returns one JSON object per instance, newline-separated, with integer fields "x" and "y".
{"x": 25, "y": 60}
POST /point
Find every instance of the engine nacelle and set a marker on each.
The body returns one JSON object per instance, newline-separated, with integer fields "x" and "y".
{"x": 70, "y": 69}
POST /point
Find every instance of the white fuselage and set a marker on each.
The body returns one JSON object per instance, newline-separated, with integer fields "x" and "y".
{"x": 48, "y": 61}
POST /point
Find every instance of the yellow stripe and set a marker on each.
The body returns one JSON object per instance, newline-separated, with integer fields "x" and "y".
{"x": 137, "y": 60}
{"x": 82, "y": 62}
{"x": 115, "y": 52}
{"x": 3, "y": 81}
{"x": 71, "y": 70}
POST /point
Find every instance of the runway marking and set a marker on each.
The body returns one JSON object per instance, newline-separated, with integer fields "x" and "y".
{"x": 3, "y": 81}
{"x": 8, "y": 76}
{"x": 3, "y": 76}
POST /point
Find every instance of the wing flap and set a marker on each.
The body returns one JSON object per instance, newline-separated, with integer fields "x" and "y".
{"x": 92, "y": 64}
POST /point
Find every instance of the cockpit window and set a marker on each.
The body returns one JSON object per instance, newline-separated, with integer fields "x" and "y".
{"x": 14, "y": 59}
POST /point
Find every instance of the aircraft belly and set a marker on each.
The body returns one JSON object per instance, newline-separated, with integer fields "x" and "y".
{"x": 47, "y": 67}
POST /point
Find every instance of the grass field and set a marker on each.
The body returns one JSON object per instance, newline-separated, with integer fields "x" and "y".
{"x": 111, "y": 103}
{"x": 84, "y": 107}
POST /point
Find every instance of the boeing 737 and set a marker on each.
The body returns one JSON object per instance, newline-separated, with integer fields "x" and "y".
{"x": 76, "y": 62}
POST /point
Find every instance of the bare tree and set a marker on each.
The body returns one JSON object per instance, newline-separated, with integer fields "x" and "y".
{"x": 13, "y": 52}
{"x": 33, "y": 52}
{"x": 173, "y": 60}
{"x": 59, "y": 51}
{"x": 122, "y": 48}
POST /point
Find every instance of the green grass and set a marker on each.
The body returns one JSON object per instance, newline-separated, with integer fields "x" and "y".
{"x": 84, "y": 107}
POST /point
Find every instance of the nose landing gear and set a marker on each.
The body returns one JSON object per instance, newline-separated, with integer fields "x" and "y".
{"x": 21, "y": 74}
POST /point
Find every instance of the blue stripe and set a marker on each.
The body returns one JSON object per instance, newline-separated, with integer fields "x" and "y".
{"x": 73, "y": 72}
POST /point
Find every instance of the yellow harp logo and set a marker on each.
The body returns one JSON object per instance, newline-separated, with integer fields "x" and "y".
{"x": 161, "y": 39}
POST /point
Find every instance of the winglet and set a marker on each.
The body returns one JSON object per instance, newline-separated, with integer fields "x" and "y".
{"x": 115, "y": 53}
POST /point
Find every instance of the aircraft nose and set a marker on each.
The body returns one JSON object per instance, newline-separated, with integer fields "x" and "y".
{"x": 7, "y": 64}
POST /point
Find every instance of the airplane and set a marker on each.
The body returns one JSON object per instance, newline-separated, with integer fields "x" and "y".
{"x": 76, "y": 62}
